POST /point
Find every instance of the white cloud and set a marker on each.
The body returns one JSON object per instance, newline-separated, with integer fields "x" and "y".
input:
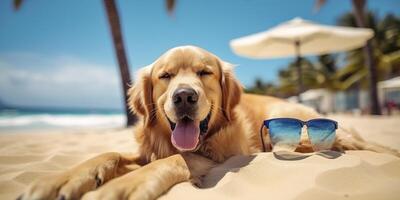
{"x": 36, "y": 80}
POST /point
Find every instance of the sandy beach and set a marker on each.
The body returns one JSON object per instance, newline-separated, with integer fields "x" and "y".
{"x": 27, "y": 156}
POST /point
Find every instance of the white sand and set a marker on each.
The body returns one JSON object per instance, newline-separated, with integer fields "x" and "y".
{"x": 354, "y": 175}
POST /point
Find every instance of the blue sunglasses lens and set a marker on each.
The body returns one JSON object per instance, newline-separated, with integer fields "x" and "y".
{"x": 321, "y": 133}
{"x": 285, "y": 134}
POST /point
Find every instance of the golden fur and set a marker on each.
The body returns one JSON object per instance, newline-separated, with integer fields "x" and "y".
{"x": 233, "y": 130}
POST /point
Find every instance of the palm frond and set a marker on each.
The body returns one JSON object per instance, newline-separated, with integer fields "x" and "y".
{"x": 354, "y": 78}
{"x": 17, "y": 4}
{"x": 170, "y": 4}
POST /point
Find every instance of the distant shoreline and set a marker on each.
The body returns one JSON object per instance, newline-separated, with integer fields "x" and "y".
{"x": 51, "y": 109}
{"x": 26, "y": 119}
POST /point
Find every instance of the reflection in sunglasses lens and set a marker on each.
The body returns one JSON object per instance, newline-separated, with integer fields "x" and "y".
{"x": 284, "y": 134}
{"x": 321, "y": 133}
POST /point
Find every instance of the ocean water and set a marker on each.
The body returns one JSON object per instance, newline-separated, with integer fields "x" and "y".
{"x": 14, "y": 119}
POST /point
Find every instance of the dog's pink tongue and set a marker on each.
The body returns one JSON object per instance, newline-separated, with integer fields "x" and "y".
{"x": 185, "y": 136}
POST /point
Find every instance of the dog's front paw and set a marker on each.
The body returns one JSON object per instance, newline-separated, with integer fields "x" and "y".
{"x": 73, "y": 183}
{"x": 131, "y": 186}
{"x": 146, "y": 183}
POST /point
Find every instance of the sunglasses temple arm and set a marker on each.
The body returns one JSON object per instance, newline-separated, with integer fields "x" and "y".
{"x": 262, "y": 138}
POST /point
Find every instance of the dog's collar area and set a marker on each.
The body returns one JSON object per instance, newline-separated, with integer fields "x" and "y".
{"x": 204, "y": 124}
{"x": 172, "y": 124}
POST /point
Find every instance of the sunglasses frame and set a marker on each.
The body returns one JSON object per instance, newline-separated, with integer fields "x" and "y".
{"x": 303, "y": 123}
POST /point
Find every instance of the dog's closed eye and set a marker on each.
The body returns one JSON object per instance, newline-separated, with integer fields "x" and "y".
{"x": 165, "y": 75}
{"x": 204, "y": 73}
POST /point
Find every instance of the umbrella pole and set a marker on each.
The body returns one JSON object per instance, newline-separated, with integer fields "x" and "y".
{"x": 299, "y": 72}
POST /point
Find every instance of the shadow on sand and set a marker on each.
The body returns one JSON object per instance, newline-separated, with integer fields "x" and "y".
{"x": 287, "y": 155}
{"x": 231, "y": 165}
{"x": 235, "y": 163}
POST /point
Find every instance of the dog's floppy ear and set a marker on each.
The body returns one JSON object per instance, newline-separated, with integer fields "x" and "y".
{"x": 231, "y": 90}
{"x": 140, "y": 96}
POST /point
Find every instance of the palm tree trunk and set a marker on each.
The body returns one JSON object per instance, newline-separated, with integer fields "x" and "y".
{"x": 358, "y": 7}
{"x": 113, "y": 20}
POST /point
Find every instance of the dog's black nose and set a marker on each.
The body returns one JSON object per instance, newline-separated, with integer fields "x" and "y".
{"x": 183, "y": 97}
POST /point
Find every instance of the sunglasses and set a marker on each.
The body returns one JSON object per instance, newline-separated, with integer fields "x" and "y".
{"x": 285, "y": 133}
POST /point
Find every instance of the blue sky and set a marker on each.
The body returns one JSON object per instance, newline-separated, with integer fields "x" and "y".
{"x": 59, "y": 53}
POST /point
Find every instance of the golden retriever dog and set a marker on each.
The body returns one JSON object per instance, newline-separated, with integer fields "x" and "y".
{"x": 193, "y": 116}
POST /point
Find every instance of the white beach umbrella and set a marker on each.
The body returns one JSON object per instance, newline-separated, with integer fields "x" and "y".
{"x": 299, "y": 37}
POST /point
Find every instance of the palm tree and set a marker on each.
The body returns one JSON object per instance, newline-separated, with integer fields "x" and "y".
{"x": 311, "y": 77}
{"x": 320, "y": 73}
{"x": 324, "y": 73}
{"x": 257, "y": 88}
{"x": 386, "y": 51}
{"x": 359, "y": 13}
{"x": 115, "y": 27}
{"x": 262, "y": 88}
{"x": 314, "y": 75}
{"x": 327, "y": 68}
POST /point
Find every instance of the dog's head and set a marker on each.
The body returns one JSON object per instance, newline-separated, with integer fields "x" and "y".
{"x": 188, "y": 93}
